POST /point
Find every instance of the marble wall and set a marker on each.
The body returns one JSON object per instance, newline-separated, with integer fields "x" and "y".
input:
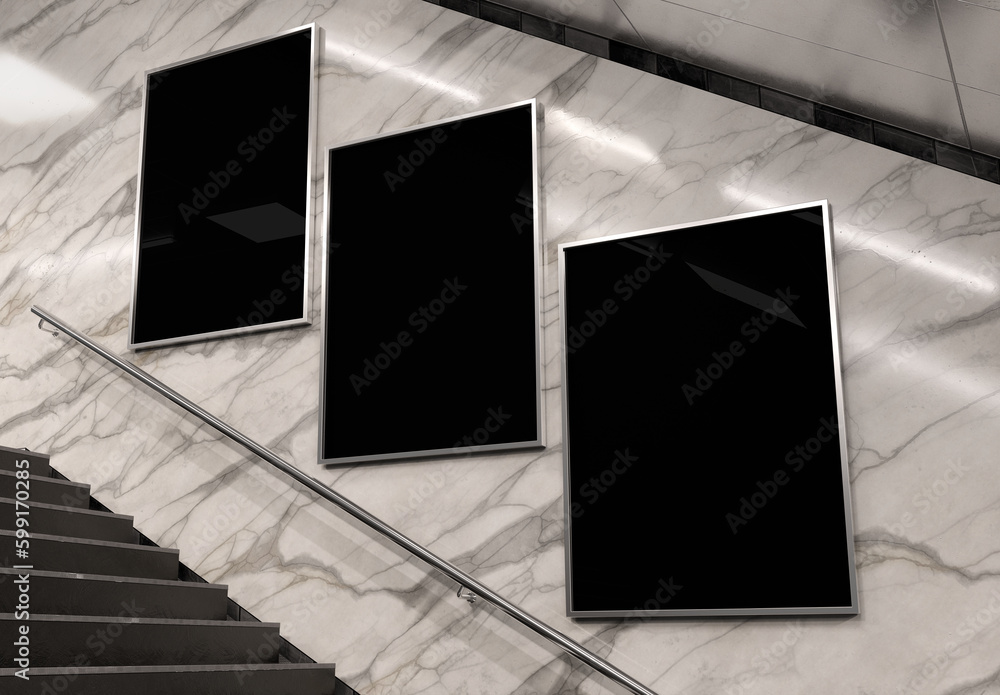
{"x": 917, "y": 261}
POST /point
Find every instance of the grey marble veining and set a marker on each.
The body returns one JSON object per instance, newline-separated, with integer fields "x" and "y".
{"x": 918, "y": 263}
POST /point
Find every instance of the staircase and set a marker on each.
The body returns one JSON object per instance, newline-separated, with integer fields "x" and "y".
{"x": 92, "y": 607}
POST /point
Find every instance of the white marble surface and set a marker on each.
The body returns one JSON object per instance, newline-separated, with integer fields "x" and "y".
{"x": 918, "y": 261}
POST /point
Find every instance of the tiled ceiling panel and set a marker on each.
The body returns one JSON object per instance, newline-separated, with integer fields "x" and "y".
{"x": 981, "y": 112}
{"x": 929, "y": 66}
{"x": 973, "y": 33}
{"x": 603, "y": 18}
{"x": 878, "y": 90}
{"x": 880, "y": 30}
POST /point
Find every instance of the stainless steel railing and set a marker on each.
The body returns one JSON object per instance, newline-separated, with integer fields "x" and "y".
{"x": 464, "y": 580}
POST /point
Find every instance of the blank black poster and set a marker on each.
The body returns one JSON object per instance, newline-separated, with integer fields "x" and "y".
{"x": 705, "y": 466}
{"x": 431, "y": 302}
{"x": 223, "y": 218}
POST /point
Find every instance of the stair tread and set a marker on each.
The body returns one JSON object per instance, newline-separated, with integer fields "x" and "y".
{"x": 46, "y": 480}
{"x": 91, "y": 541}
{"x": 111, "y": 578}
{"x": 38, "y": 462}
{"x": 104, "y": 619}
{"x": 72, "y": 510}
{"x": 56, "y": 491}
{"x": 78, "y": 602}
{"x": 42, "y": 671}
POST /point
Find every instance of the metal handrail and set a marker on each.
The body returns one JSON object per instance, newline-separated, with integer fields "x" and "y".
{"x": 464, "y": 580}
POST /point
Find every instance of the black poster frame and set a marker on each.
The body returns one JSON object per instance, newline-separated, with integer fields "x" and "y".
{"x": 666, "y": 360}
{"x": 431, "y": 339}
{"x": 224, "y": 211}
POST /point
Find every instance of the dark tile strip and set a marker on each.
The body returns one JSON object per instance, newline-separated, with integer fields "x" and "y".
{"x": 844, "y": 123}
{"x": 588, "y": 43}
{"x": 890, "y": 137}
{"x": 469, "y": 7}
{"x": 730, "y": 87}
{"x": 679, "y": 71}
{"x": 543, "y": 28}
{"x": 973, "y": 163}
{"x": 637, "y": 58}
{"x": 504, "y": 16}
{"x": 913, "y": 144}
{"x": 788, "y": 105}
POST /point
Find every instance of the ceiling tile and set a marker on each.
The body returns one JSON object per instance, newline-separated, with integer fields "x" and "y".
{"x": 972, "y": 32}
{"x": 601, "y": 18}
{"x": 981, "y": 109}
{"x": 904, "y": 98}
{"x": 904, "y": 33}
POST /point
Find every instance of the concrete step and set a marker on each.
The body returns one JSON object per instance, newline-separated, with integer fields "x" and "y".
{"x": 55, "y": 520}
{"x": 256, "y": 679}
{"x": 63, "y": 593}
{"x": 62, "y": 554}
{"x": 60, "y": 640}
{"x": 110, "y": 617}
{"x": 19, "y": 459}
{"x": 45, "y": 490}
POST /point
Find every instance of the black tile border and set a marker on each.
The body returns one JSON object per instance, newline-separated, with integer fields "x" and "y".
{"x": 885, "y": 135}
{"x": 638, "y": 58}
{"x": 543, "y": 28}
{"x": 844, "y": 123}
{"x": 733, "y": 88}
{"x": 498, "y": 14}
{"x": 588, "y": 43}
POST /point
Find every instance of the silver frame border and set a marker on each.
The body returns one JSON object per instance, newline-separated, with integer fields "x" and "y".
{"x": 831, "y": 275}
{"x": 306, "y": 319}
{"x": 537, "y": 443}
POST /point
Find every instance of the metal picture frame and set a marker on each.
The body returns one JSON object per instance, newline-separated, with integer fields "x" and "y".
{"x": 431, "y": 341}
{"x": 224, "y": 211}
{"x": 706, "y": 471}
